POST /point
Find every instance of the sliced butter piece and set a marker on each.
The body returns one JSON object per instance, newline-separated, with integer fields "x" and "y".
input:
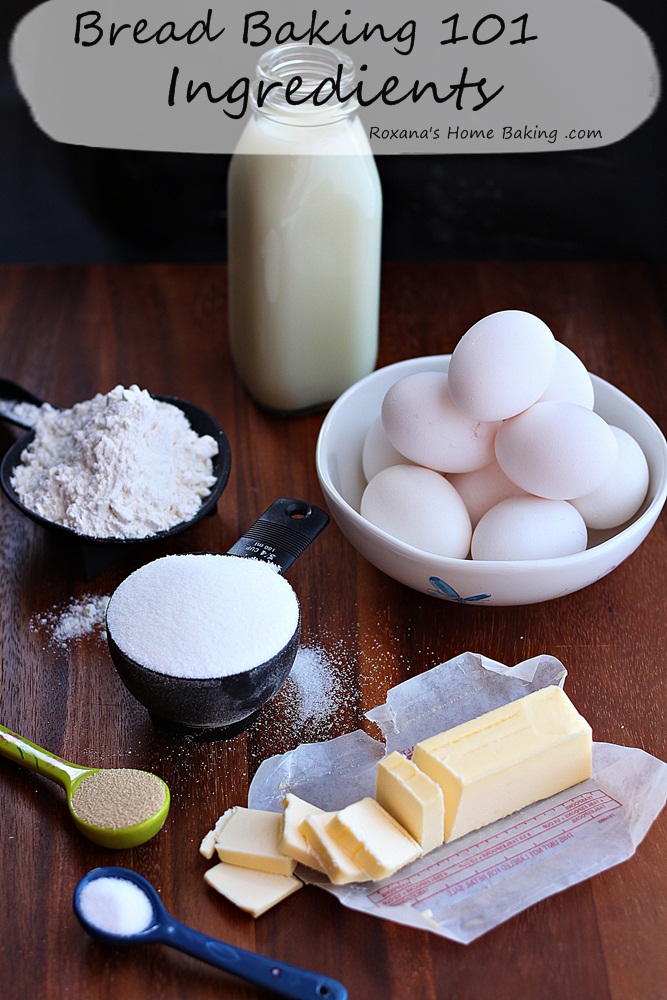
{"x": 509, "y": 758}
{"x": 335, "y": 862}
{"x": 292, "y": 841}
{"x": 253, "y": 891}
{"x": 207, "y": 846}
{"x": 412, "y": 798}
{"x": 373, "y": 838}
{"x": 250, "y": 838}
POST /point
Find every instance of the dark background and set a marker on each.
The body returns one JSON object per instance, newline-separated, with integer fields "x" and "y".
{"x": 61, "y": 203}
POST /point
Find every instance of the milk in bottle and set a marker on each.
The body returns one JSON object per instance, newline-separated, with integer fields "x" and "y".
{"x": 305, "y": 209}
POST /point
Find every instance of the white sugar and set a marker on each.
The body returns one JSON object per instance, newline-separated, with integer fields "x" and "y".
{"x": 203, "y": 615}
{"x": 315, "y": 683}
{"x": 116, "y": 905}
{"x": 318, "y": 695}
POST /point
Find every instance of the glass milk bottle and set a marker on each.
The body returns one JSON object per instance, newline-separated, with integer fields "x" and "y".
{"x": 305, "y": 213}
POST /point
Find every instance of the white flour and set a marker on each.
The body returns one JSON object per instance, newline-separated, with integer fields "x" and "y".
{"x": 83, "y": 616}
{"x": 121, "y": 465}
{"x": 26, "y": 413}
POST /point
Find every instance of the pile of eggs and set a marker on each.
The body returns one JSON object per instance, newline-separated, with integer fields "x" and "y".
{"x": 503, "y": 457}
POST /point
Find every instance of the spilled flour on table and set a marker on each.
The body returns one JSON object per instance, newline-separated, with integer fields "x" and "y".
{"x": 62, "y": 624}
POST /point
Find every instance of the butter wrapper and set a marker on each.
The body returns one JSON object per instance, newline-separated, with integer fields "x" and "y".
{"x": 463, "y": 889}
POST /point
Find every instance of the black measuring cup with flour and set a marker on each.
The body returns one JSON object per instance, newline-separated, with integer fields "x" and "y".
{"x": 20, "y": 407}
{"x": 203, "y": 640}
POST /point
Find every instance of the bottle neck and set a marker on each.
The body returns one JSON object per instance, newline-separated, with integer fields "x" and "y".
{"x": 304, "y": 85}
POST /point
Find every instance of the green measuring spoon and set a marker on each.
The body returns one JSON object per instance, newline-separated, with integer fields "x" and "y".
{"x": 114, "y": 807}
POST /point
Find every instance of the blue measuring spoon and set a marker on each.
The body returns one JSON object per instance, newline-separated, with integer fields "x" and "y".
{"x": 161, "y": 928}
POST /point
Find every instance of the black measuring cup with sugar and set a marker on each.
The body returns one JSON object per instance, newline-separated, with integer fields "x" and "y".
{"x": 222, "y": 704}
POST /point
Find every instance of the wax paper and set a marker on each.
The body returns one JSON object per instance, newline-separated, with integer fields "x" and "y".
{"x": 464, "y": 889}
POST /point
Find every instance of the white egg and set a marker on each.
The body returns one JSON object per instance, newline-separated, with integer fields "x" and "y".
{"x": 571, "y": 382}
{"x": 623, "y": 491}
{"x": 423, "y": 424}
{"x": 556, "y": 450}
{"x": 378, "y": 452}
{"x": 529, "y": 528}
{"x": 419, "y": 507}
{"x": 482, "y": 489}
{"x": 502, "y": 365}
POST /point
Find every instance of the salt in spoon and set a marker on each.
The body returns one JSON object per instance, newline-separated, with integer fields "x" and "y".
{"x": 98, "y": 912}
{"x": 116, "y": 783}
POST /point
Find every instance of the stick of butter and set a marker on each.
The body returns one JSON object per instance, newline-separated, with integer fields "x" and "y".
{"x": 509, "y": 758}
{"x": 249, "y": 838}
{"x": 253, "y": 891}
{"x": 292, "y": 841}
{"x": 335, "y": 862}
{"x": 373, "y": 838}
{"x": 412, "y": 798}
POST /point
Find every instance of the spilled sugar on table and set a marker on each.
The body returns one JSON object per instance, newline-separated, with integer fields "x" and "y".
{"x": 69, "y": 332}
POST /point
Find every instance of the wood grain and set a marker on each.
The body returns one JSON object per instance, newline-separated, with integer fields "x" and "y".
{"x": 68, "y": 332}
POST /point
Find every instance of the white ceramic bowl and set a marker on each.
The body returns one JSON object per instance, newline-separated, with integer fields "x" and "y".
{"x": 338, "y": 460}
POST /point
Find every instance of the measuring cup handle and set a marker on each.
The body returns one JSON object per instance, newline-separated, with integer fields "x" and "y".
{"x": 282, "y": 533}
{"x": 13, "y": 393}
{"x": 36, "y": 758}
{"x": 278, "y": 977}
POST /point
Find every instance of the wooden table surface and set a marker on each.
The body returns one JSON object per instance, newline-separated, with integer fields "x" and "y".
{"x": 69, "y": 332}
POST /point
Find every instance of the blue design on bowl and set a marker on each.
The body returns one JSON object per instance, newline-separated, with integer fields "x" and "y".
{"x": 447, "y": 592}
